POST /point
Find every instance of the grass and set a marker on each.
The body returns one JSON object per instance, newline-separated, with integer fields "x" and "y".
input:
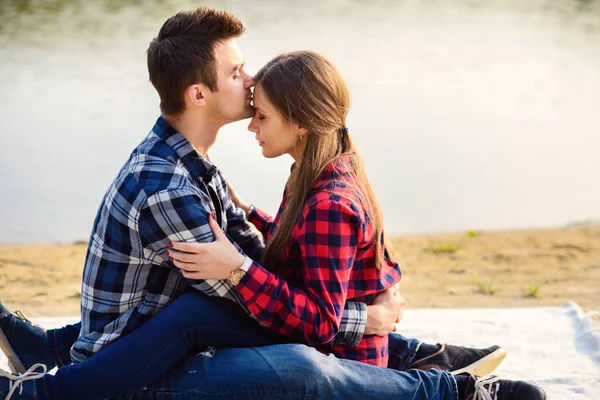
{"x": 532, "y": 291}
{"x": 471, "y": 233}
{"x": 443, "y": 248}
{"x": 486, "y": 288}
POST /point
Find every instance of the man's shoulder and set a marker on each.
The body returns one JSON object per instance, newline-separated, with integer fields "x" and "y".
{"x": 153, "y": 167}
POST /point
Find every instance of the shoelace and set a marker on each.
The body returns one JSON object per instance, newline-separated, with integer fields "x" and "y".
{"x": 19, "y": 314}
{"x": 16, "y": 313}
{"x": 481, "y": 393}
{"x": 16, "y": 381}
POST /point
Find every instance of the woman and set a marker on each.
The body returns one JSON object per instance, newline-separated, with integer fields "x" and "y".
{"x": 326, "y": 241}
{"x": 327, "y": 238}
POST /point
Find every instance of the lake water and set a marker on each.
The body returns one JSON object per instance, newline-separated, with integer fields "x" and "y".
{"x": 469, "y": 114}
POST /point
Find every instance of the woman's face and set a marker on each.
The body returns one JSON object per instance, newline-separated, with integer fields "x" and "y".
{"x": 276, "y": 135}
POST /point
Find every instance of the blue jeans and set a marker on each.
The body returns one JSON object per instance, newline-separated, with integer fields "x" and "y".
{"x": 147, "y": 354}
{"x": 292, "y": 372}
{"x": 402, "y": 350}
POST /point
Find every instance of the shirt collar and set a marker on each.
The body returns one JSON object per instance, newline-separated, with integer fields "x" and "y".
{"x": 193, "y": 162}
{"x": 341, "y": 166}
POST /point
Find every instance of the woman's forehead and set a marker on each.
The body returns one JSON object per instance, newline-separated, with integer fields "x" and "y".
{"x": 260, "y": 99}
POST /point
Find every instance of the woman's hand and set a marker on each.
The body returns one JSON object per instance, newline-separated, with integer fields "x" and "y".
{"x": 235, "y": 197}
{"x": 385, "y": 312}
{"x": 213, "y": 260}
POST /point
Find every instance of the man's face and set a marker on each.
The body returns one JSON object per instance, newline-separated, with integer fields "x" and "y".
{"x": 232, "y": 102}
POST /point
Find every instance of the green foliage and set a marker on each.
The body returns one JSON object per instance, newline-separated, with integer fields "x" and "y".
{"x": 443, "y": 248}
{"x": 471, "y": 233}
{"x": 532, "y": 291}
{"x": 486, "y": 288}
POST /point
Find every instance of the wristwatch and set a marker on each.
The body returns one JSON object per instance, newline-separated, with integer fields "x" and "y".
{"x": 236, "y": 276}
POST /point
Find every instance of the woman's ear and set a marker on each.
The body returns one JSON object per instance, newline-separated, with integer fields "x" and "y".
{"x": 195, "y": 95}
{"x": 301, "y": 131}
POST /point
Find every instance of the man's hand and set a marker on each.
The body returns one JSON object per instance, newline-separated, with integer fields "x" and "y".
{"x": 213, "y": 260}
{"x": 385, "y": 312}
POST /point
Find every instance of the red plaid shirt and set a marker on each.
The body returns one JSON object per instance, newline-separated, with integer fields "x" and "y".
{"x": 330, "y": 259}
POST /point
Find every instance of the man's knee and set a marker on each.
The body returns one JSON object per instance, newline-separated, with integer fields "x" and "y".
{"x": 300, "y": 366}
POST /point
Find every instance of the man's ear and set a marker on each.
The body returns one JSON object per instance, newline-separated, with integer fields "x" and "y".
{"x": 195, "y": 95}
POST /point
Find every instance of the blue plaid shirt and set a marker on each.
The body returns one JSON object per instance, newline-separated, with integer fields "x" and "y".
{"x": 164, "y": 193}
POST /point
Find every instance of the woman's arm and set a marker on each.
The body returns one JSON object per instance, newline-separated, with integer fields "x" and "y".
{"x": 328, "y": 239}
{"x": 259, "y": 218}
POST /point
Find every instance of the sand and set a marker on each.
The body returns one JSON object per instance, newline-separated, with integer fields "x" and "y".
{"x": 526, "y": 268}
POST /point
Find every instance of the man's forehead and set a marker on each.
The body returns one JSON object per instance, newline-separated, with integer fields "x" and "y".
{"x": 228, "y": 54}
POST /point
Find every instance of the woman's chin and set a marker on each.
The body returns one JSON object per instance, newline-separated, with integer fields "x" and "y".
{"x": 265, "y": 153}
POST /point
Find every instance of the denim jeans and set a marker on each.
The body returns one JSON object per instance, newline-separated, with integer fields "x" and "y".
{"x": 292, "y": 372}
{"x": 145, "y": 355}
{"x": 402, "y": 350}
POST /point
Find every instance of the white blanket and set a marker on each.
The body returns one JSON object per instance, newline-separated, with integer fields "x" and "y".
{"x": 556, "y": 347}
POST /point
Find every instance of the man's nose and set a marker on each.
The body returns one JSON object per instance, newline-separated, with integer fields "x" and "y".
{"x": 249, "y": 82}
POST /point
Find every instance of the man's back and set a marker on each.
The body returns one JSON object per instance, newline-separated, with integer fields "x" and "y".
{"x": 162, "y": 194}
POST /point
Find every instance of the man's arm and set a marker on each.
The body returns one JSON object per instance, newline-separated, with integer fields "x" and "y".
{"x": 353, "y": 324}
{"x": 379, "y": 319}
{"x": 243, "y": 233}
{"x": 179, "y": 215}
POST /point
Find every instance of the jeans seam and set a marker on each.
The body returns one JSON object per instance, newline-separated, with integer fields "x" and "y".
{"x": 452, "y": 382}
{"x": 56, "y": 354}
{"x": 411, "y": 356}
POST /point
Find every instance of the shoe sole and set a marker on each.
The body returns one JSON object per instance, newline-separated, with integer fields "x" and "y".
{"x": 14, "y": 363}
{"x": 485, "y": 365}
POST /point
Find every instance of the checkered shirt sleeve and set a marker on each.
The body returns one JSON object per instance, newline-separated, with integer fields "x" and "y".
{"x": 353, "y": 324}
{"x": 328, "y": 235}
{"x": 354, "y": 317}
{"x": 178, "y": 215}
{"x": 261, "y": 220}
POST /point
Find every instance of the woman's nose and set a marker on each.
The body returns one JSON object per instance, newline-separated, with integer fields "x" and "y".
{"x": 252, "y": 126}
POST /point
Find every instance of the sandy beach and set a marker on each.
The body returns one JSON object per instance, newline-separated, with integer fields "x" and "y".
{"x": 524, "y": 268}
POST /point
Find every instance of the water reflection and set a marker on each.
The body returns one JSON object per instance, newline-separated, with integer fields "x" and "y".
{"x": 469, "y": 114}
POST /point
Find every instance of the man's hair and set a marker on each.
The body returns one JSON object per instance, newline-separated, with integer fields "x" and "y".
{"x": 183, "y": 53}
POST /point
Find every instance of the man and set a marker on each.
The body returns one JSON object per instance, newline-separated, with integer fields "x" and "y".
{"x": 165, "y": 193}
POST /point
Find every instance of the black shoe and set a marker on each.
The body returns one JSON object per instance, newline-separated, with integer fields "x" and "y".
{"x": 494, "y": 388}
{"x": 20, "y": 386}
{"x": 460, "y": 360}
{"x": 24, "y": 343}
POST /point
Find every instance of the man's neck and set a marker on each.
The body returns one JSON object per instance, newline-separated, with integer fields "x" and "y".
{"x": 200, "y": 131}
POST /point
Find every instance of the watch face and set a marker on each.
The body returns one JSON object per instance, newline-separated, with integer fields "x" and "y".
{"x": 237, "y": 275}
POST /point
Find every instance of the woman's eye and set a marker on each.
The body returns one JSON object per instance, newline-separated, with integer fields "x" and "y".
{"x": 236, "y": 77}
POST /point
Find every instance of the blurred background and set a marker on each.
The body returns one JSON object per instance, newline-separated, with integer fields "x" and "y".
{"x": 478, "y": 117}
{"x": 469, "y": 114}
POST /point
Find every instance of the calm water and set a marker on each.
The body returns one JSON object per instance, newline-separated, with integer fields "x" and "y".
{"x": 470, "y": 114}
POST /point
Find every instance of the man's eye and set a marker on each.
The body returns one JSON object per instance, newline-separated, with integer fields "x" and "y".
{"x": 261, "y": 117}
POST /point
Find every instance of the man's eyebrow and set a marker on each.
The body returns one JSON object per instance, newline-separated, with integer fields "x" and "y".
{"x": 238, "y": 66}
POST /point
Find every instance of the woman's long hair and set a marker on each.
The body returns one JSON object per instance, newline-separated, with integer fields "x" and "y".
{"x": 308, "y": 90}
